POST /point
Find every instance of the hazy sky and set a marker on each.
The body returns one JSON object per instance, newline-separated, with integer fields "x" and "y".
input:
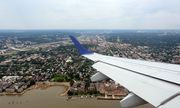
{"x": 89, "y": 14}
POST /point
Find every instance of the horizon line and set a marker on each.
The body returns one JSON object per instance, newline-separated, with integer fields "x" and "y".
{"x": 89, "y": 29}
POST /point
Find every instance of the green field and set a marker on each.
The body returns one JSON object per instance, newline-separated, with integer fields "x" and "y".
{"x": 60, "y": 77}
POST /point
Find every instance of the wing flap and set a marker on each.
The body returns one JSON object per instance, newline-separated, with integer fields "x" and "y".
{"x": 143, "y": 86}
{"x": 174, "y": 103}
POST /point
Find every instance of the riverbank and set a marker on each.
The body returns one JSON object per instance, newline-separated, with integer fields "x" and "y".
{"x": 42, "y": 86}
{"x": 110, "y": 98}
{"x": 49, "y": 97}
{"x": 66, "y": 84}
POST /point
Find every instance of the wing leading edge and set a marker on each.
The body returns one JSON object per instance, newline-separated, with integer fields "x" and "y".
{"x": 156, "y": 83}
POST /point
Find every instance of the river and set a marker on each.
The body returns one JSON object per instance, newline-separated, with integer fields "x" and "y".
{"x": 49, "y": 98}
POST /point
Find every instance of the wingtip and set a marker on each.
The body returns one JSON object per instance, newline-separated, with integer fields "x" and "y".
{"x": 80, "y": 48}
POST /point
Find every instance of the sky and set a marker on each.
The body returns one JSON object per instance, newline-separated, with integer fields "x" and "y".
{"x": 89, "y": 14}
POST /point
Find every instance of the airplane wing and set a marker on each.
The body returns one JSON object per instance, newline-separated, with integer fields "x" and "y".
{"x": 152, "y": 82}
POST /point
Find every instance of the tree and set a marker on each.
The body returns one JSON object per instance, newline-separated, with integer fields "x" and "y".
{"x": 95, "y": 91}
{"x": 71, "y": 82}
{"x": 53, "y": 76}
{"x": 91, "y": 92}
{"x": 66, "y": 78}
{"x": 77, "y": 76}
{"x": 87, "y": 84}
{"x": 28, "y": 85}
{"x": 25, "y": 81}
{"x": 60, "y": 80}
{"x": 32, "y": 82}
{"x": 70, "y": 93}
{"x": 88, "y": 76}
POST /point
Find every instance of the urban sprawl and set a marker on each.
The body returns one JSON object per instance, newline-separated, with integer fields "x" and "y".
{"x": 26, "y": 62}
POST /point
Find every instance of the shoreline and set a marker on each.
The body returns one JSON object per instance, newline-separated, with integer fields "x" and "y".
{"x": 36, "y": 86}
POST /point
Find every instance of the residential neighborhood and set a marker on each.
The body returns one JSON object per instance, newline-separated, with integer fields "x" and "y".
{"x": 61, "y": 62}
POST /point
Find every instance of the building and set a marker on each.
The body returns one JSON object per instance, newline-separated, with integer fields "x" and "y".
{"x": 20, "y": 90}
{"x": 1, "y": 89}
{"x": 91, "y": 87}
{"x": 10, "y": 90}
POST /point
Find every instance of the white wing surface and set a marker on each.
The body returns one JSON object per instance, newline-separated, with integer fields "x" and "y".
{"x": 156, "y": 83}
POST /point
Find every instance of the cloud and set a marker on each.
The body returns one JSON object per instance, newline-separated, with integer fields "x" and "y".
{"x": 89, "y": 14}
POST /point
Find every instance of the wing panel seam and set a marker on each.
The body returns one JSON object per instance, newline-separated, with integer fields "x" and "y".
{"x": 136, "y": 72}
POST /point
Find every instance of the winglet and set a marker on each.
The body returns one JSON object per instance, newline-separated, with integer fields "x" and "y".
{"x": 81, "y": 49}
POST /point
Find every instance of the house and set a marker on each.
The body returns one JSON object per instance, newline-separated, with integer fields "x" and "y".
{"x": 75, "y": 85}
{"x": 81, "y": 89}
{"x": 72, "y": 89}
{"x": 20, "y": 90}
{"x": 24, "y": 86}
{"x": 91, "y": 87}
{"x": 1, "y": 89}
{"x": 10, "y": 90}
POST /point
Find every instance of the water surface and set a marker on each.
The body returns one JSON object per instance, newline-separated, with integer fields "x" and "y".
{"x": 49, "y": 98}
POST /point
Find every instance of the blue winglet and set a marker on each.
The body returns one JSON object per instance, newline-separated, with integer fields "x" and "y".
{"x": 81, "y": 49}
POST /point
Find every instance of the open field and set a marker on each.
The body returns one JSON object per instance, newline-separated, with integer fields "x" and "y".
{"x": 60, "y": 77}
